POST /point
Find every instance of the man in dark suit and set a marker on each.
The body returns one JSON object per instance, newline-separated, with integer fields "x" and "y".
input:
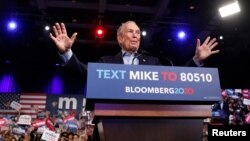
{"x": 128, "y": 37}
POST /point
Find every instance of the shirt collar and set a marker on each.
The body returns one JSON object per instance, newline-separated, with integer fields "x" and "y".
{"x": 125, "y": 53}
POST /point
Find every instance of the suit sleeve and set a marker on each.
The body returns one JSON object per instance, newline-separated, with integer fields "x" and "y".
{"x": 191, "y": 63}
{"x": 77, "y": 66}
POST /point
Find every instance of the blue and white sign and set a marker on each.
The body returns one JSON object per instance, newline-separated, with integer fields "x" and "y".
{"x": 146, "y": 82}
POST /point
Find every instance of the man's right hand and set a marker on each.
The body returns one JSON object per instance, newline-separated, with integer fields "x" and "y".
{"x": 61, "y": 38}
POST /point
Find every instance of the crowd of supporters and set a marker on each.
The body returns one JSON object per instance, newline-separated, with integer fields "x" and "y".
{"x": 66, "y": 126}
{"x": 232, "y": 109}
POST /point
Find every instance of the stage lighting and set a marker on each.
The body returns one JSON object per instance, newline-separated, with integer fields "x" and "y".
{"x": 100, "y": 32}
{"x": 12, "y": 25}
{"x": 144, "y": 33}
{"x": 181, "y": 35}
{"x": 229, "y": 9}
{"x": 47, "y": 28}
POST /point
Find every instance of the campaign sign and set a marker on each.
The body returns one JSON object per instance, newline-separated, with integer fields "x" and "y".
{"x": 2, "y": 122}
{"x": 50, "y": 136}
{"x": 24, "y": 120}
{"x": 15, "y": 105}
{"x": 147, "y": 82}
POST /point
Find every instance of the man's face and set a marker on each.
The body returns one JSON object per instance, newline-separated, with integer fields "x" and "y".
{"x": 130, "y": 37}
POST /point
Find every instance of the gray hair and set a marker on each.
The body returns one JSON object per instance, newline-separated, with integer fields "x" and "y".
{"x": 121, "y": 28}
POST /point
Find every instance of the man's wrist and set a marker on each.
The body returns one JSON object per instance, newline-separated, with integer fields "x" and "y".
{"x": 197, "y": 62}
{"x": 65, "y": 56}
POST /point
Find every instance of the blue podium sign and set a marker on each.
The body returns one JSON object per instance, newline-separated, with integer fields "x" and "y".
{"x": 146, "y": 82}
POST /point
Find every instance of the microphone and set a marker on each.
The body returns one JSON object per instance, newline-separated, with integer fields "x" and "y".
{"x": 171, "y": 63}
{"x": 137, "y": 55}
{"x": 148, "y": 53}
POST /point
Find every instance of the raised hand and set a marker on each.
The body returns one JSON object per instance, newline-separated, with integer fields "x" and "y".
{"x": 205, "y": 50}
{"x": 61, "y": 39}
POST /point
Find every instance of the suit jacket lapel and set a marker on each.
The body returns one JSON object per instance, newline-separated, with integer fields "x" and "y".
{"x": 142, "y": 60}
{"x": 118, "y": 58}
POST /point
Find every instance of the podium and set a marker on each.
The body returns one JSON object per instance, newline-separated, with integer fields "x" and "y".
{"x": 147, "y": 122}
{"x": 144, "y": 115}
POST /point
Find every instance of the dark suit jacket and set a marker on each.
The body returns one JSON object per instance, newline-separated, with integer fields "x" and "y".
{"x": 117, "y": 59}
{"x": 76, "y": 65}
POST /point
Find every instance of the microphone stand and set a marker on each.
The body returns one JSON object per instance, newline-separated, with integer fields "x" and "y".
{"x": 146, "y": 52}
{"x": 136, "y": 56}
{"x": 171, "y": 63}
